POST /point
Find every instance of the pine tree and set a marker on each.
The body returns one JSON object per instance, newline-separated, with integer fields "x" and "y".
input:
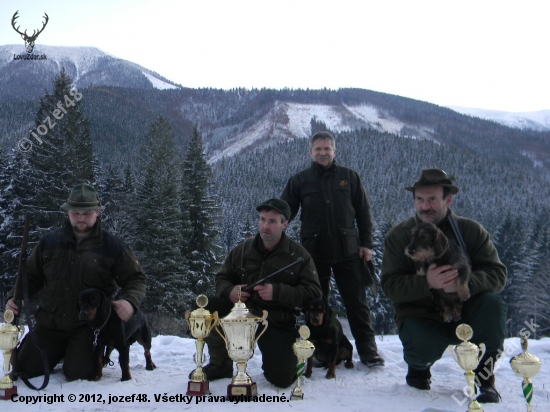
{"x": 202, "y": 212}
{"x": 158, "y": 218}
{"x": 61, "y": 155}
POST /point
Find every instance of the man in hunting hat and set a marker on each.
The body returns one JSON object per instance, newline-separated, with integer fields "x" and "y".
{"x": 422, "y": 331}
{"x": 254, "y": 259}
{"x": 78, "y": 256}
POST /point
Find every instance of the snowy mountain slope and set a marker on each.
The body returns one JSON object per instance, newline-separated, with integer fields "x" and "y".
{"x": 86, "y": 65}
{"x": 539, "y": 121}
{"x": 293, "y": 120}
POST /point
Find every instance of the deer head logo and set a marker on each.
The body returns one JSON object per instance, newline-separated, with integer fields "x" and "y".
{"x": 29, "y": 40}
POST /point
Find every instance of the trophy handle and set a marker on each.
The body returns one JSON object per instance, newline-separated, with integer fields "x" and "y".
{"x": 481, "y": 352}
{"x": 264, "y": 322}
{"x": 216, "y": 326}
{"x": 453, "y": 354}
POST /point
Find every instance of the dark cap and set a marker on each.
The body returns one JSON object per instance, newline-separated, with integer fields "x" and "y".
{"x": 277, "y": 204}
{"x": 83, "y": 197}
{"x": 433, "y": 177}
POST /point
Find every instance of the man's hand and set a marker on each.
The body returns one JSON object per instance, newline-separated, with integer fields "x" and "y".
{"x": 265, "y": 291}
{"x": 234, "y": 295}
{"x": 123, "y": 309}
{"x": 442, "y": 277}
{"x": 365, "y": 254}
{"x": 10, "y": 305}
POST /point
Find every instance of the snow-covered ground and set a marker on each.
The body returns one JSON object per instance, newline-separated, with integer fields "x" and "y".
{"x": 358, "y": 389}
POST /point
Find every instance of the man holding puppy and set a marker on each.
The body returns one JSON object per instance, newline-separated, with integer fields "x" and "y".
{"x": 422, "y": 331}
{"x": 78, "y": 256}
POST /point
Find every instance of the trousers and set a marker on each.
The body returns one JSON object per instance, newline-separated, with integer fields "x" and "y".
{"x": 425, "y": 340}
{"x": 73, "y": 347}
{"x": 354, "y": 296}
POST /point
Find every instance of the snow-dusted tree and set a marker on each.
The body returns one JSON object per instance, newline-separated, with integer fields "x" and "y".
{"x": 61, "y": 155}
{"x": 200, "y": 209}
{"x": 158, "y": 219}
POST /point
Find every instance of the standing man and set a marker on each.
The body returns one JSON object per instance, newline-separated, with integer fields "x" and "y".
{"x": 254, "y": 259}
{"x": 422, "y": 331}
{"x": 78, "y": 256}
{"x": 333, "y": 202}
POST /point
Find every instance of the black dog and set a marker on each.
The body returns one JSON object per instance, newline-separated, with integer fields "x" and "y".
{"x": 428, "y": 246}
{"x": 112, "y": 333}
{"x": 331, "y": 345}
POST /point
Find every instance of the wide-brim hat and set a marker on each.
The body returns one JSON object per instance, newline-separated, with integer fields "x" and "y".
{"x": 277, "y": 204}
{"x": 83, "y": 197}
{"x": 433, "y": 177}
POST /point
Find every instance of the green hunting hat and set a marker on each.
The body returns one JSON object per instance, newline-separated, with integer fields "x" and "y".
{"x": 83, "y": 197}
{"x": 278, "y": 204}
{"x": 433, "y": 177}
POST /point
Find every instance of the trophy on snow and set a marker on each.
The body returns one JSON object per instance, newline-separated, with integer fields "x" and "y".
{"x": 200, "y": 322}
{"x": 468, "y": 356}
{"x": 10, "y": 335}
{"x": 526, "y": 366}
{"x": 239, "y": 334}
{"x": 303, "y": 349}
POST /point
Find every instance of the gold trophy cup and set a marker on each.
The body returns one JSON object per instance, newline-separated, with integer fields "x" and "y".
{"x": 303, "y": 349}
{"x": 239, "y": 334}
{"x": 200, "y": 322}
{"x": 10, "y": 335}
{"x": 468, "y": 355}
{"x": 526, "y": 366}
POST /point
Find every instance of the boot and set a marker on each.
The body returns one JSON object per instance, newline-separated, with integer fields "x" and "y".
{"x": 485, "y": 379}
{"x": 419, "y": 379}
{"x": 368, "y": 353}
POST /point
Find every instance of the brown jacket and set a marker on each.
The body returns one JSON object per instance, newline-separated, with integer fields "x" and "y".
{"x": 410, "y": 293}
{"x": 61, "y": 268}
{"x": 291, "y": 289}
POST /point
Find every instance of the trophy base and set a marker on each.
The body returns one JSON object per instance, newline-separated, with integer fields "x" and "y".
{"x": 198, "y": 388}
{"x": 245, "y": 390}
{"x": 6, "y": 394}
{"x": 297, "y": 397}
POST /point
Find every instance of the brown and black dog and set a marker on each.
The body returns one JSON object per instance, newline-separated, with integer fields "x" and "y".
{"x": 113, "y": 333}
{"x": 430, "y": 246}
{"x": 331, "y": 345}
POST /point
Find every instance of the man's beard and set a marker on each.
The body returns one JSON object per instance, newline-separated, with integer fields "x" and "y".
{"x": 85, "y": 230}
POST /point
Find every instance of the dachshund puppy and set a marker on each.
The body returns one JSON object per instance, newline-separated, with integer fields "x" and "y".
{"x": 112, "y": 333}
{"x": 430, "y": 246}
{"x": 331, "y": 345}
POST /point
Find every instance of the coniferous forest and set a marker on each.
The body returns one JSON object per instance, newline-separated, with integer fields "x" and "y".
{"x": 182, "y": 214}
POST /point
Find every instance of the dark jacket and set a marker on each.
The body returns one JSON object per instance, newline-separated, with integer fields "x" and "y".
{"x": 410, "y": 293}
{"x": 61, "y": 268}
{"x": 333, "y": 202}
{"x": 292, "y": 288}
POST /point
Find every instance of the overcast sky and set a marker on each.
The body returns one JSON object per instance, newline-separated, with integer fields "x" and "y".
{"x": 481, "y": 53}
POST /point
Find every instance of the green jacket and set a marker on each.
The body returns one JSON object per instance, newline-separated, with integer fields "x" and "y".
{"x": 334, "y": 202}
{"x": 291, "y": 289}
{"x": 61, "y": 268}
{"x": 410, "y": 293}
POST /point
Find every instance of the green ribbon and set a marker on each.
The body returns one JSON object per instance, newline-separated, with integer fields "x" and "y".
{"x": 527, "y": 391}
{"x": 300, "y": 368}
